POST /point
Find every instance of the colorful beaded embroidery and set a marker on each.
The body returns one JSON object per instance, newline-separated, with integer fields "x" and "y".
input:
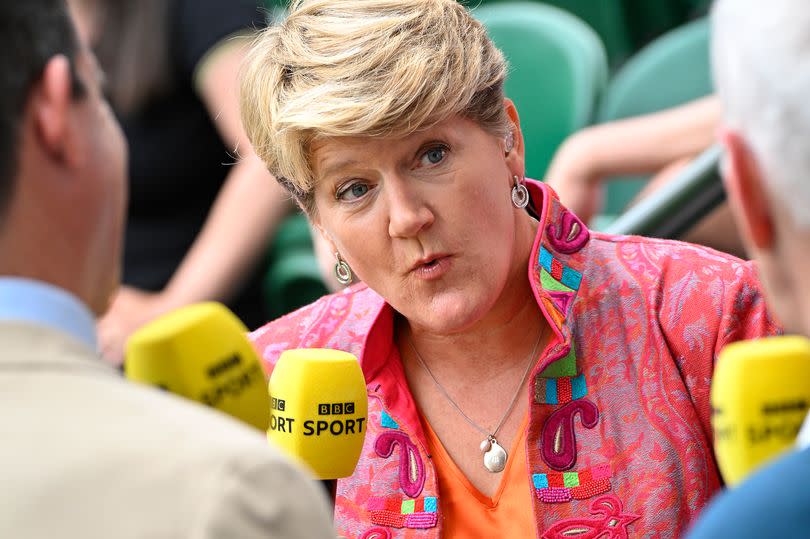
{"x": 397, "y": 512}
{"x": 568, "y": 235}
{"x": 387, "y": 422}
{"x": 609, "y": 522}
{"x": 559, "y": 440}
{"x": 547, "y": 282}
{"x": 562, "y": 274}
{"x": 561, "y": 300}
{"x": 565, "y": 366}
{"x": 411, "y": 468}
{"x": 559, "y": 390}
{"x": 556, "y": 487}
{"x": 377, "y": 533}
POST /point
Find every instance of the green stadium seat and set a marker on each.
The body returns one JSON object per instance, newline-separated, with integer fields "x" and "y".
{"x": 605, "y": 17}
{"x": 293, "y": 278}
{"x": 670, "y": 71}
{"x": 558, "y": 68}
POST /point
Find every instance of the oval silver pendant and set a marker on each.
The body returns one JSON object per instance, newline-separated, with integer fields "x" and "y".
{"x": 495, "y": 458}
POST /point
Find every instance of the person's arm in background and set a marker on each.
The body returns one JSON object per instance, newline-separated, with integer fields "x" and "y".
{"x": 235, "y": 235}
{"x": 641, "y": 145}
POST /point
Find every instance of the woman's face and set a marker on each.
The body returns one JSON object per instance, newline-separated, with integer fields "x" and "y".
{"x": 425, "y": 220}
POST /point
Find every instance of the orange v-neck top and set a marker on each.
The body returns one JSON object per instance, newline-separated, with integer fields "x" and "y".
{"x": 466, "y": 512}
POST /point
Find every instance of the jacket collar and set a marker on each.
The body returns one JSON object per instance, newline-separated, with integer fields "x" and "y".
{"x": 29, "y": 346}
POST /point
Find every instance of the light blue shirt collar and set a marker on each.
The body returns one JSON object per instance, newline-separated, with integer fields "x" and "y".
{"x": 41, "y": 303}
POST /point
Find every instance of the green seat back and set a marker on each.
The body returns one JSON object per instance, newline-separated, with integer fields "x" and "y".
{"x": 557, "y": 70}
{"x": 293, "y": 278}
{"x": 670, "y": 71}
{"x": 605, "y": 17}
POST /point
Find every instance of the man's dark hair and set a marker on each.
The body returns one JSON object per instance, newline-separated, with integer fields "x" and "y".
{"x": 31, "y": 33}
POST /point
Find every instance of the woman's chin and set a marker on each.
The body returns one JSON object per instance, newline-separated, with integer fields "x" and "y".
{"x": 446, "y": 314}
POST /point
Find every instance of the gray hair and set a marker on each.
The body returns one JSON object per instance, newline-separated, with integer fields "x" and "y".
{"x": 761, "y": 67}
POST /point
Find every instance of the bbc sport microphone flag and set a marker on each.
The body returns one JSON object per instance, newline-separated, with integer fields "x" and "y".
{"x": 760, "y": 396}
{"x": 319, "y": 409}
{"x": 202, "y": 352}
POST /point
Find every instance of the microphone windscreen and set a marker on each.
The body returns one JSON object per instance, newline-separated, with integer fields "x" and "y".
{"x": 319, "y": 409}
{"x": 202, "y": 352}
{"x": 760, "y": 395}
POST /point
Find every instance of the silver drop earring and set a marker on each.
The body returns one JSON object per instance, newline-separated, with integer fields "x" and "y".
{"x": 343, "y": 272}
{"x": 520, "y": 195}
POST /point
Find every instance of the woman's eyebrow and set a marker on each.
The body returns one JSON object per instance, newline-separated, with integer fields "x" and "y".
{"x": 332, "y": 168}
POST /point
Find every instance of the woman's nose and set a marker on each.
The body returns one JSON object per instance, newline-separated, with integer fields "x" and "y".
{"x": 408, "y": 213}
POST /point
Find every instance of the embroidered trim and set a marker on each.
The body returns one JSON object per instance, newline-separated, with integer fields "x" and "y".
{"x": 569, "y": 235}
{"x": 387, "y": 422}
{"x": 408, "y": 507}
{"x": 547, "y": 282}
{"x": 556, "y": 316}
{"x": 561, "y": 273}
{"x": 557, "y": 487}
{"x": 377, "y": 533}
{"x": 411, "y": 467}
{"x": 396, "y": 512}
{"x": 610, "y": 524}
{"x": 560, "y": 390}
{"x": 562, "y": 300}
{"x": 559, "y": 439}
{"x": 565, "y": 366}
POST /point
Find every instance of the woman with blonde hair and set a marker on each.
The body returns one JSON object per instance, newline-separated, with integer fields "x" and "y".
{"x": 489, "y": 317}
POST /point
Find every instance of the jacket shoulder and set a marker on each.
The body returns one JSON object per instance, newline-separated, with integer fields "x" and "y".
{"x": 340, "y": 320}
{"x": 654, "y": 261}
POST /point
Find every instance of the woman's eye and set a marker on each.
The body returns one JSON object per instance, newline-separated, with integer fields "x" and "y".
{"x": 353, "y": 191}
{"x": 433, "y": 156}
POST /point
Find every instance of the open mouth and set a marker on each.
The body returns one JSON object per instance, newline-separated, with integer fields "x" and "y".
{"x": 432, "y": 268}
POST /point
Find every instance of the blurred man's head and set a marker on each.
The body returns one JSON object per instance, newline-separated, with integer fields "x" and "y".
{"x": 761, "y": 65}
{"x": 62, "y": 157}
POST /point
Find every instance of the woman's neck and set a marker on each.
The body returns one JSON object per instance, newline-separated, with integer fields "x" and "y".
{"x": 500, "y": 341}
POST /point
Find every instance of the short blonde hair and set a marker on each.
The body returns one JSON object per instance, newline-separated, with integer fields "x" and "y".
{"x": 375, "y": 68}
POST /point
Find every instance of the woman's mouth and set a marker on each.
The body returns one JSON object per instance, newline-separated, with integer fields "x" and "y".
{"x": 432, "y": 268}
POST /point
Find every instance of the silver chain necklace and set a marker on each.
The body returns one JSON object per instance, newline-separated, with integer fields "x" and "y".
{"x": 495, "y": 455}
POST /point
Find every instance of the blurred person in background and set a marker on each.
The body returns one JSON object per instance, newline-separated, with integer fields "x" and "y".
{"x": 761, "y": 67}
{"x": 526, "y": 377}
{"x": 660, "y": 144}
{"x": 202, "y": 206}
{"x": 84, "y": 454}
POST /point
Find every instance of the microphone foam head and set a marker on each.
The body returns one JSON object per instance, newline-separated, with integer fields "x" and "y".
{"x": 760, "y": 396}
{"x": 201, "y": 352}
{"x": 319, "y": 409}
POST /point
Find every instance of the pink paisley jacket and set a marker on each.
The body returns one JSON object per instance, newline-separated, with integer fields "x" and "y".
{"x": 619, "y": 439}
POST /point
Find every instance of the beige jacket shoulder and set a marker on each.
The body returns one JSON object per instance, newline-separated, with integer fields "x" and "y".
{"x": 85, "y": 454}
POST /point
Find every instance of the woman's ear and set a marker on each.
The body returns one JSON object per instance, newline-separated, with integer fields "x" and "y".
{"x": 51, "y": 108}
{"x": 514, "y": 149}
{"x": 747, "y": 195}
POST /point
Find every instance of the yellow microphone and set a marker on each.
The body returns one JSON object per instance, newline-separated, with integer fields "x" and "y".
{"x": 201, "y": 352}
{"x": 319, "y": 409}
{"x": 760, "y": 396}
